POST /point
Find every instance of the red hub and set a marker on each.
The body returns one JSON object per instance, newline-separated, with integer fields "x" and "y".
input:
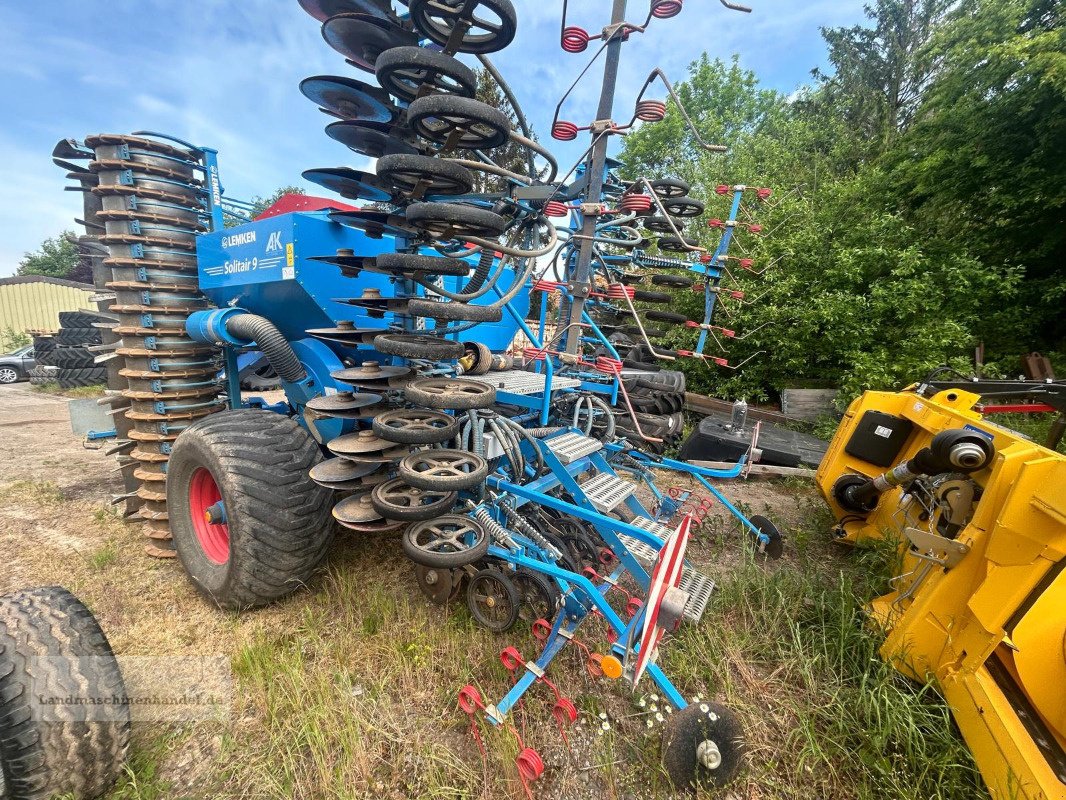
{"x": 204, "y": 502}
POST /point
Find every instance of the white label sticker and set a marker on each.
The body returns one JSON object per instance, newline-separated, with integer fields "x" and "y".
{"x": 288, "y": 273}
{"x": 882, "y": 431}
{"x": 329, "y": 390}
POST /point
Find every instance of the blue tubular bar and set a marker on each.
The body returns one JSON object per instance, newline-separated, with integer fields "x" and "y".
{"x": 680, "y": 466}
{"x": 722, "y": 249}
{"x": 545, "y": 404}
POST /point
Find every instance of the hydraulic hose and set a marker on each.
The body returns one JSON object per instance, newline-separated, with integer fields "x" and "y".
{"x": 274, "y": 346}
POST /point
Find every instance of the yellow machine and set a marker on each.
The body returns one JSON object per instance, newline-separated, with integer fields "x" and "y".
{"x": 979, "y": 601}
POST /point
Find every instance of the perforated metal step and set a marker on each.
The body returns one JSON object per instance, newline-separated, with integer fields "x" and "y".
{"x": 518, "y": 381}
{"x": 698, "y": 585}
{"x": 606, "y": 491}
{"x": 569, "y": 447}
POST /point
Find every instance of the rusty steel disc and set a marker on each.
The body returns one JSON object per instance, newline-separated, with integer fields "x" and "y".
{"x": 342, "y": 403}
{"x": 339, "y": 473}
{"x": 355, "y": 509}
{"x": 359, "y": 443}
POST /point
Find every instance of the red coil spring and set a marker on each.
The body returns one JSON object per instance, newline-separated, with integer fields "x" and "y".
{"x": 664, "y": 9}
{"x": 715, "y": 223}
{"x": 755, "y": 228}
{"x": 764, "y": 194}
{"x": 707, "y": 258}
{"x": 511, "y": 659}
{"x": 530, "y": 765}
{"x": 721, "y": 189}
{"x": 633, "y": 606}
{"x": 553, "y": 208}
{"x": 619, "y": 291}
{"x": 542, "y": 630}
{"x": 608, "y": 366}
{"x": 564, "y": 131}
{"x": 635, "y": 203}
{"x": 651, "y": 110}
{"x": 575, "y": 39}
{"x": 545, "y": 286}
{"x": 747, "y": 263}
{"x": 534, "y": 354}
{"x": 720, "y": 361}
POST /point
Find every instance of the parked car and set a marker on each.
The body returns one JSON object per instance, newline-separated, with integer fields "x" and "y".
{"x": 16, "y": 366}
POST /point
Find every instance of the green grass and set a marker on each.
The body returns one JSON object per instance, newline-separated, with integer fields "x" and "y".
{"x": 349, "y": 690}
{"x": 45, "y": 493}
{"x": 76, "y": 393}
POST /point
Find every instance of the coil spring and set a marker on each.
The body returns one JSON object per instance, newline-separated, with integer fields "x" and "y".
{"x": 664, "y": 263}
{"x": 721, "y": 189}
{"x": 715, "y": 223}
{"x": 497, "y": 531}
{"x": 764, "y": 194}
{"x": 635, "y": 202}
{"x": 524, "y": 527}
{"x": 564, "y": 131}
{"x": 755, "y": 228}
{"x": 619, "y": 291}
{"x": 651, "y": 110}
{"x": 664, "y": 9}
{"x": 575, "y": 39}
{"x": 554, "y": 208}
{"x": 534, "y": 354}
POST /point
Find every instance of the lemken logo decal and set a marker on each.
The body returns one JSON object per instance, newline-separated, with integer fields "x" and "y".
{"x": 238, "y": 239}
{"x": 274, "y": 241}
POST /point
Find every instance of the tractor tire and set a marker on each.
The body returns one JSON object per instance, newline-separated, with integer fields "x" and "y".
{"x": 82, "y": 319}
{"x": 43, "y": 346}
{"x": 75, "y": 378}
{"x": 263, "y": 379}
{"x": 78, "y": 336}
{"x": 277, "y": 525}
{"x": 66, "y": 357}
{"x": 41, "y": 375}
{"x": 51, "y": 645}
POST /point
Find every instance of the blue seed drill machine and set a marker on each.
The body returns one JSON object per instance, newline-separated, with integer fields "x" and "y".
{"x": 467, "y": 358}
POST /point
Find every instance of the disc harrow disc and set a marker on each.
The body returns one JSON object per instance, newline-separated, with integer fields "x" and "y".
{"x": 438, "y": 585}
{"x": 348, "y": 98}
{"x": 340, "y": 473}
{"x": 324, "y": 9}
{"x": 356, "y": 509}
{"x": 374, "y": 223}
{"x": 352, "y": 444}
{"x": 349, "y": 183}
{"x": 369, "y": 138}
{"x": 344, "y": 405}
{"x": 361, "y": 38}
{"x": 344, "y": 332}
{"x": 370, "y": 371}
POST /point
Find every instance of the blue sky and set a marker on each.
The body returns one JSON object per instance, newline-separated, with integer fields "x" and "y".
{"x": 224, "y": 73}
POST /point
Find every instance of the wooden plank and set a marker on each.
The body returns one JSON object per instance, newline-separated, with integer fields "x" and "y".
{"x": 767, "y": 470}
{"x": 701, "y": 404}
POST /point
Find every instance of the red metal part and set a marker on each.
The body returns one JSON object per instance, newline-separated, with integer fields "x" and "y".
{"x": 1017, "y": 408}
{"x": 575, "y": 39}
{"x": 715, "y": 223}
{"x": 564, "y": 131}
{"x": 651, "y": 110}
{"x": 635, "y": 203}
{"x": 722, "y": 189}
{"x": 213, "y": 538}
{"x": 664, "y": 9}
{"x": 764, "y": 193}
{"x": 288, "y": 203}
{"x": 554, "y": 208}
{"x": 756, "y": 228}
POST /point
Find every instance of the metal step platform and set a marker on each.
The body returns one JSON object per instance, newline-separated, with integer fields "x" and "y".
{"x": 698, "y": 585}
{"x": 606, "y": 491}
{"x": 516, "y": 381}
{"x": 570, "y": 447}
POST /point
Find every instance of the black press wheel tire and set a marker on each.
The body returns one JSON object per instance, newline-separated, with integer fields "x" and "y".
{"x": 443, "y": 470}
{"x": 647, "y": 296}
{"x": 448, "y": 220}
{"x": 671, "y": 244}
{"x": 538, "y": 596}
{"x": 415, "y": 426}
{"x": 434, "y": 176}
{"x": 493, "y": 600}
{"x": 277, "y": 525}
{"x": 683, "y": 206}
{"x": 74, "y": 378}
{"x": 493, "y": 25}
{"x": 461, "y": 122}
{"x": 396, "y": 499}
{"x": 670, "y": 187}
{"x": 450, "y": 394}
{"x": 449, "y": 541}
{"x": 773, "y": 549}
{"x": 409, "y": 263}
{"x": 673, "y": 281}
{"x": 703, "y": 745}
{"x": 51, "y": 645}
{"x": 452, "y": 311}
{"x": 664, "y": 224}
{"x": 403, "y": 71}
{"x": 665, "y": 316}
{"x": 411, "y": 345}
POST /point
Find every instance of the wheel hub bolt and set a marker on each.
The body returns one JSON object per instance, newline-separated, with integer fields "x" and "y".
{"x": 216, "y": 514}
{"x": 708, "y": 754}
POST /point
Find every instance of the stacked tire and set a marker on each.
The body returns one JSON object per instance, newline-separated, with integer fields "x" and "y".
{"x": 658, "y": 398}
{"x": 64, "y": 357}
{"x": 153, "y": 206}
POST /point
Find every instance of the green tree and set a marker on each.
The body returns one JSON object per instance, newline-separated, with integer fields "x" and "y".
{"x": 510, "y": 156}
{"x": 57, "y": 257}
{"x": 880, "y": 73}
{"x": 261, "y": 204}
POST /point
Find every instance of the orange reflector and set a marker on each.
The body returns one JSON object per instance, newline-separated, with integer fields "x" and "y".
{"x": 612, "y": 667}
{"x": 207, "y": 517}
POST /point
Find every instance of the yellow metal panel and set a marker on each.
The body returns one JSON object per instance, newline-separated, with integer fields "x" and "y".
{"x": 36, "y": 306}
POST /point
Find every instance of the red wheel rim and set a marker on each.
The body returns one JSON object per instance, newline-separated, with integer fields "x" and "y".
{"x": 213, "y": 538}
